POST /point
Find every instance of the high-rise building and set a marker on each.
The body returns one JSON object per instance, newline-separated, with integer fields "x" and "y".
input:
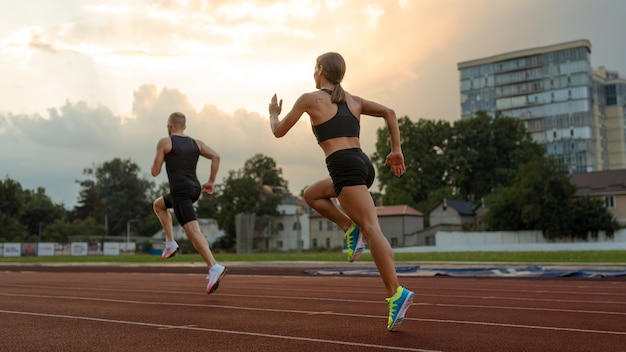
{"x": 610, "y": 95}
{"x": 575, "y": 112}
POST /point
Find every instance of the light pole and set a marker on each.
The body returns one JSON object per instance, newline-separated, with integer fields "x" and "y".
{"x": 128, "y": 232}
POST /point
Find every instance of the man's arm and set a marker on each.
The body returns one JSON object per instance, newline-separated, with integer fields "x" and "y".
{"x": 211, "y": 154}
{"x": 163, "y": 146}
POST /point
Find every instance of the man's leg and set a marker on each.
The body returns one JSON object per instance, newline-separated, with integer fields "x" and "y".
{"x": 194, "y": 234}
{"x": 216, "y": 271}
{"x": 164, "y": 217}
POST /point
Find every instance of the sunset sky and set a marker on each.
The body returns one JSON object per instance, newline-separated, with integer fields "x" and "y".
{"x": 86, "y": 81}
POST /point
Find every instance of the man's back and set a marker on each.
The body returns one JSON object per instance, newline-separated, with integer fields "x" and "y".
{"x": 181, "y": 161}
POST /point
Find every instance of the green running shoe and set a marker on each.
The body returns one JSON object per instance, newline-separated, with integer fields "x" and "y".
{"x": 355, "y": 242}
{"x": 398, "y": 304}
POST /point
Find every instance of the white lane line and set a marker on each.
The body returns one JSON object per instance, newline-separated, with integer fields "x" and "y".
{"x": 275, "y": 310}
{"x": 194, "y": 328}
{"x": 240, "y": 288}
{"x": 371, "y": 302}
{"x": 577, "y": 311}
{"x": 537, "y": 327}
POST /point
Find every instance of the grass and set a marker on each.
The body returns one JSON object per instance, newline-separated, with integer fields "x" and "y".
{"x": 615, "y": 257}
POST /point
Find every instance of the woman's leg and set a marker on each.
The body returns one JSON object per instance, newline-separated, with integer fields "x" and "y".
{"x": 357, "y": 202}
{"x": 318, "y": 196}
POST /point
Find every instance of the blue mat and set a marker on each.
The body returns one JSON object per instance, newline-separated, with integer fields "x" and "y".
{"x": 530, "y": 271}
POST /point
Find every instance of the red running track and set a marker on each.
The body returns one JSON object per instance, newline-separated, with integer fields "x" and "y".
{"x": 155, "y": 309}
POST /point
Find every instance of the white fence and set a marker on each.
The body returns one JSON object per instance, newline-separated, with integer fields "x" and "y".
{"x": 504, "y": 241}
{"x": 49, "y": 249}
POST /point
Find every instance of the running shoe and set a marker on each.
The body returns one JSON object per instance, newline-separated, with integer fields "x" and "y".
{"x": 355, "y": 242}
{"x": 216, "y": 273}
{"x": 170, "y": 251}
{"x": 398, "y": 304}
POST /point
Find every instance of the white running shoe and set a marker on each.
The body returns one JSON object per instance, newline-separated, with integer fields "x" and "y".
{"x": 215, "y": 275}
{"x": 170, "y": 251}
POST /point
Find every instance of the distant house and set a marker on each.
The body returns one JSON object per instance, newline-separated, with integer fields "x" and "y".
{"x": 453, "y": 212}
{"x": 209, "y": 228}
{"x": 608, "y": 186}
{"x": 399, "y": 224}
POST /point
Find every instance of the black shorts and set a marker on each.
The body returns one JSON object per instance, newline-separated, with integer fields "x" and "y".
{"x": 350, "y": 167}
{"x": 182, "y": 203}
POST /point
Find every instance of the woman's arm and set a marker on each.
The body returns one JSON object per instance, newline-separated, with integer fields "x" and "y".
{"x": 281, "y": 127}
{"x": 395, "y": 158}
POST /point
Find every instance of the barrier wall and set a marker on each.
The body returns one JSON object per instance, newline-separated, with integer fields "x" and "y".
{"x": 503, "y": 241}
{"x": 49, "y": 249}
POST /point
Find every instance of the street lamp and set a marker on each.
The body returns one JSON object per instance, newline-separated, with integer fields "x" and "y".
{"x": 128, "y": 232}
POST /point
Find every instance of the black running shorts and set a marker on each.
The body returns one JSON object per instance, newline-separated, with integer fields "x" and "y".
{"x": 182, "y": 203}
{"x": 350, "y": 167}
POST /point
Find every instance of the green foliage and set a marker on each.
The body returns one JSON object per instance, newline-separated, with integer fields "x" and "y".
{"x": 258, "y": 187}
{"x": 589, "y": 216}
{"x": 423, "y": 144}
{"x": 492, "y": 158}
{"x": 23, "y": 213}
{"x": 62, "y": 231}
{"x": 541, "y": 198}
{"x": 115, "y": 193}
{"x": 486, "y": 152}
{"x": 39, "y": 211}
{"x": 467, "y": 160}
{"x": 11, "y": 198}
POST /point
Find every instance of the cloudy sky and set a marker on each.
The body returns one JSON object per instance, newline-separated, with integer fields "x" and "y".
{"x": 86, "y": 81}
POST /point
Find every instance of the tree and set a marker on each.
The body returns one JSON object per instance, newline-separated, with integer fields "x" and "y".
{"x": 539, "y": 199}
{"x": 258, "y": 188}
{"x": 11, "y": 208}
{"x": 467, "y": 160}
{"x": 114, "y": 193}
{"x": 265, "y": 171}
{"x": 423, "y": 145}
{"x": 486, "y": 152}
{"x": 39, "y": 211}
{"x": 62, "y": 231}
{"x": 589, "y": 217}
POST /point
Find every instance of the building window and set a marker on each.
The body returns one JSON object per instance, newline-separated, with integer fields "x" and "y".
{"x": 279, "y": 226}
{"x": 394, "y": 241}
{"x": 279, "y": 244}
{"x": 610, "y": 94}
{"x": 314, "y": 243}
{"x": 329, "y": 225}
{"x": 609, "y": 202}
{"x": 328, "y": 242}
{"x": 319, "y": 225}
{"x": 296, "y": 226}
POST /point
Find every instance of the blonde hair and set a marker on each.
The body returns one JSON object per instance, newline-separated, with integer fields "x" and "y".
{"x": 334, "y": 70}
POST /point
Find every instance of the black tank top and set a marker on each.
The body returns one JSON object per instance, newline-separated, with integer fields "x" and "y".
{"x": 343, "y": 124}
{"x": 181, "y": 161}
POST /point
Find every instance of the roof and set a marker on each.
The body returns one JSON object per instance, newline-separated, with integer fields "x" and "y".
{"x": 463, "y": 207}
{"x": 389, "y": 210}
{"x": 397, "y": 210}
{"x": 598, "y": 183}
{"x": 526, "y": 52}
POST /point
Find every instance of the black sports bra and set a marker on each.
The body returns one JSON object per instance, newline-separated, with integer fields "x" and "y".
{"x": 343, "y": 124}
